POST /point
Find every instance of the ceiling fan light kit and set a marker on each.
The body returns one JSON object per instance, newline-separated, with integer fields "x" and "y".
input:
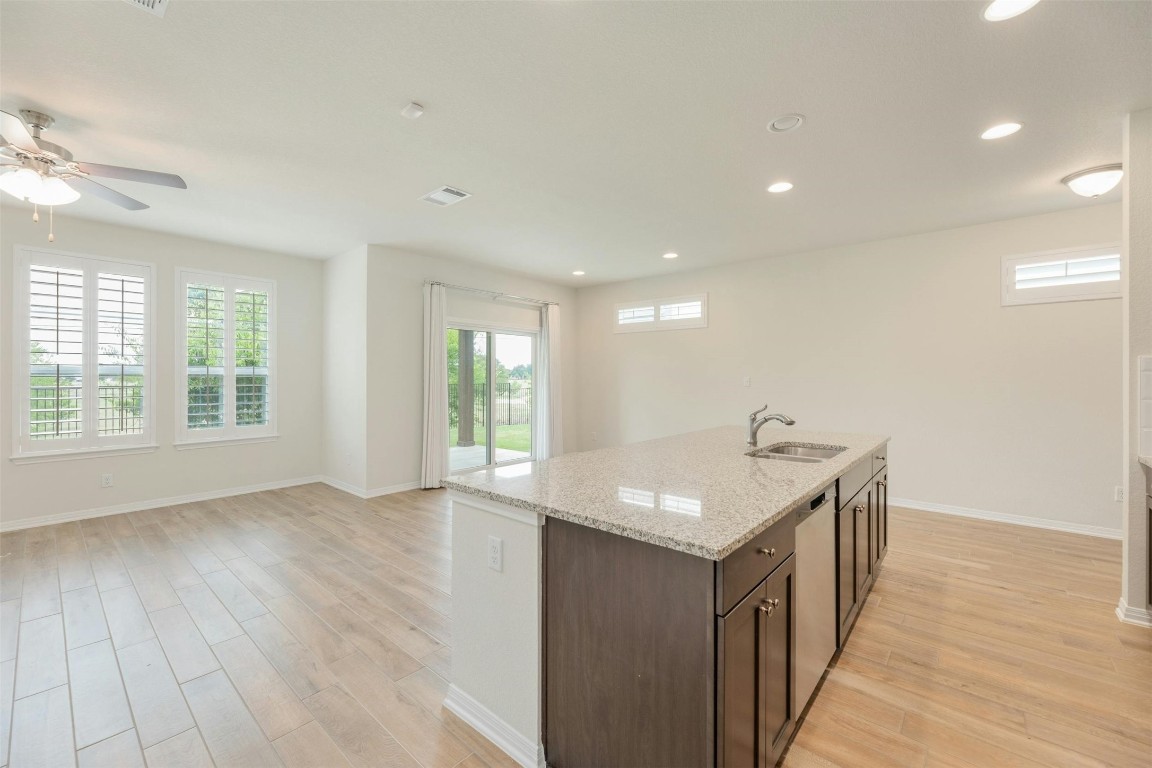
{"x": 42, "y": 172}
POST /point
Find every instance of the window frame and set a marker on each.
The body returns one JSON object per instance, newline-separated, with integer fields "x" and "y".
{"x": 1011, "y": 296}
{"x": 89, "y": 442}
{"x": 230, "y": 432}
{"x": 657, "y": 323}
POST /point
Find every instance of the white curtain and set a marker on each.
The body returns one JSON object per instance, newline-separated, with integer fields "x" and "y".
{"x": 434, "y": 466}
{"x": 549, "y": 406}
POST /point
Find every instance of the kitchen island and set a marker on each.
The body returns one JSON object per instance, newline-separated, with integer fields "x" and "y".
{"x": 640, "y": 605}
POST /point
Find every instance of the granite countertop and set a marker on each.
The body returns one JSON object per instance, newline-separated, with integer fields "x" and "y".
{"x": 696, "y": 493}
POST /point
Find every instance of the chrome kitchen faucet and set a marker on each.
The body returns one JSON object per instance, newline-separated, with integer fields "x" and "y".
{"x": 754, "y": 424}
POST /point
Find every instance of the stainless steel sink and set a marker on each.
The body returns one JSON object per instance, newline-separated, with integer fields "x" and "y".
{"x": 799, "y": 452}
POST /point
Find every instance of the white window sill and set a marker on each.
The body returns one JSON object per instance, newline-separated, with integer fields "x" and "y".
{"x": 81, "y": 453}
{"x": 190, "y": 445}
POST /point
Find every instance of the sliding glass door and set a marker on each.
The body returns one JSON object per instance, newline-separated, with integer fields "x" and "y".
{"x": 490, "y": 397}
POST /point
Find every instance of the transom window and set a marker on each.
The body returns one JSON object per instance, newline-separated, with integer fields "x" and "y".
{"x": 662, "y": 314}
{"x": 226, "y": 380}
{"x": 83, "y": 368}
{"x": 1070, "y": 275}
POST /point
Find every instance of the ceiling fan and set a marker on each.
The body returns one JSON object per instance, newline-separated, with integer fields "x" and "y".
{"x": 44, "y": 173}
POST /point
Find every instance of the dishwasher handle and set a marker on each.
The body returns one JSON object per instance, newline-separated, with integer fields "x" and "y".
{"x": 816, "y": 503}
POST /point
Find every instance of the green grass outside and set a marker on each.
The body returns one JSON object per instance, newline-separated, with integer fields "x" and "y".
{"x": 512, "y": 437}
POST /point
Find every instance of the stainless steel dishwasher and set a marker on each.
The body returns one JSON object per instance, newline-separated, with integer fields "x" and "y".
{"x": 815, "y": 591}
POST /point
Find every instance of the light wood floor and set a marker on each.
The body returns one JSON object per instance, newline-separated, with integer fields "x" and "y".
{"x": 306, "y": 627}
{"x": 301, "y": 627}
{"x": 986, "y": 644}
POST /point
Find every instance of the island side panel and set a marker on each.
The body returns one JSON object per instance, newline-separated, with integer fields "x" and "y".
{"x": 496, "y": 623}
{"x": 630, "y": 652}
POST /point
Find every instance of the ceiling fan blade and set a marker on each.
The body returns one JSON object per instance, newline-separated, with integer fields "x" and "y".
{"x": 88, "y": 187}
{"x": 14, "y": 132}
{"x": 133, "y": 174}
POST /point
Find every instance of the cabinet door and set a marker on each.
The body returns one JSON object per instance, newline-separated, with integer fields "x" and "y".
{"x": 780, "y": 651}
{"x": 741, "y": 638}
{"x": 862, "y": 511}
{"x": 758, "y": 641}
{"x": 880, "y": 538}
{"x": 845, "y": 568}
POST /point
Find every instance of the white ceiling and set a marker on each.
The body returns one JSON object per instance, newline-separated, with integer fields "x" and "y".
{"x": 594, "y": 136}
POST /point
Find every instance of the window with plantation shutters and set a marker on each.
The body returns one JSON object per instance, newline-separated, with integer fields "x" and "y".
{"x": 1068, "y": 275}
{"x": 662, "y": 314}
{"x": 226, "y": 379}
{"x": 83, "y": 367}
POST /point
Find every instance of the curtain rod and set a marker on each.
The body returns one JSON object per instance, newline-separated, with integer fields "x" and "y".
{"x": 493, "y": 294}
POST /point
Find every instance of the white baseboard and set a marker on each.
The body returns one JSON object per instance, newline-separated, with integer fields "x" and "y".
{"x": 362, "y": 493}
{"x": 136, "y": 506}
{"x": 1141, "y": 617}
{"x": 999, "y": 517}
{"x": 525, "y": 751}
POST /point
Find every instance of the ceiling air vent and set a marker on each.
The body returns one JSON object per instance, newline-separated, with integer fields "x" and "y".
{"x": 154, "y": 7}
{"x": 445, "y": 196}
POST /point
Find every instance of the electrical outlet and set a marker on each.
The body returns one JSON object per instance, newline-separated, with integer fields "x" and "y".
{"x": 595, "y": 437}
{"x": 495, "y": 553}
{"x": 747, "y": 381}
{"x": 1118, "y": 493}
{"x": 106, "y": 480}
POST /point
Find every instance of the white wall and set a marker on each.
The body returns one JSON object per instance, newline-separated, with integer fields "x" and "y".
{"x": 45, "y": 490}
{"x": 1011, "y": 410}
{"x": 396, "y": 357}
{"x": 345, "y": 357}
{"x": 1135, "y": 601}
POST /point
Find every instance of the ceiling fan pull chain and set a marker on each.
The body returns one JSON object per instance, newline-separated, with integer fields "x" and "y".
{"x": 35, "y": 213}
{"x": 51, "y": 225}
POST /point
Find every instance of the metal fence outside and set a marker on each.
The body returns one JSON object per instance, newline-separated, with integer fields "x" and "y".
{"x": 512, "y": 403}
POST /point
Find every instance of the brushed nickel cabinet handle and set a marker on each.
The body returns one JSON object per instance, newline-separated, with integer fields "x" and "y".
{"x": 770, "y": 552}
{"x": 769, "y": 606}
{"x": 882, "y": 483}
{"x": 879, "y": 458}
{"x": 859, "y": 507}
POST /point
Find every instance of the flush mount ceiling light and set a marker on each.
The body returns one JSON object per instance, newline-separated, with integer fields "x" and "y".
{"x": 786, "y": 123}
{"x": 671, "y": 255}
{"x": 999, "y": 10}
{"x": 1094, "y": 182}
{"x": 1000, "y": 131}
{"x": 780, "y": 186}
{"x": 412, "y": 110}
{"x": 579, "y": 273}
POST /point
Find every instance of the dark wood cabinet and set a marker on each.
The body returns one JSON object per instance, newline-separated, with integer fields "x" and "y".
{"x": 757, "y": 642}
{"x": 880, "y": 518}
{"x": 780, "y": 652}
{"x": 862, "y": 509}
{"x": 853, "y": 529}
{"x": 845, "y": 569}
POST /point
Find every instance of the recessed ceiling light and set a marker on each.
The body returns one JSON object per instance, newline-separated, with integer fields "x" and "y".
{"x": 786, "y": 123}
{"x": 579, "y": 273}
{"x": 1000, "y": 131}
{"x": 1094, "y": 182}
{"x": 412, "y": 110}
{"x": 999, "y": 10}
{"x": 671, "y": 255}
{"x": 780, "y": 186}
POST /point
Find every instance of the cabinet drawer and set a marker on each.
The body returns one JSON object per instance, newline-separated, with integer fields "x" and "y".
{"x": 741, "y": 571}
{"x": 880, "y": 458}
{"x": 852, "y": 481}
